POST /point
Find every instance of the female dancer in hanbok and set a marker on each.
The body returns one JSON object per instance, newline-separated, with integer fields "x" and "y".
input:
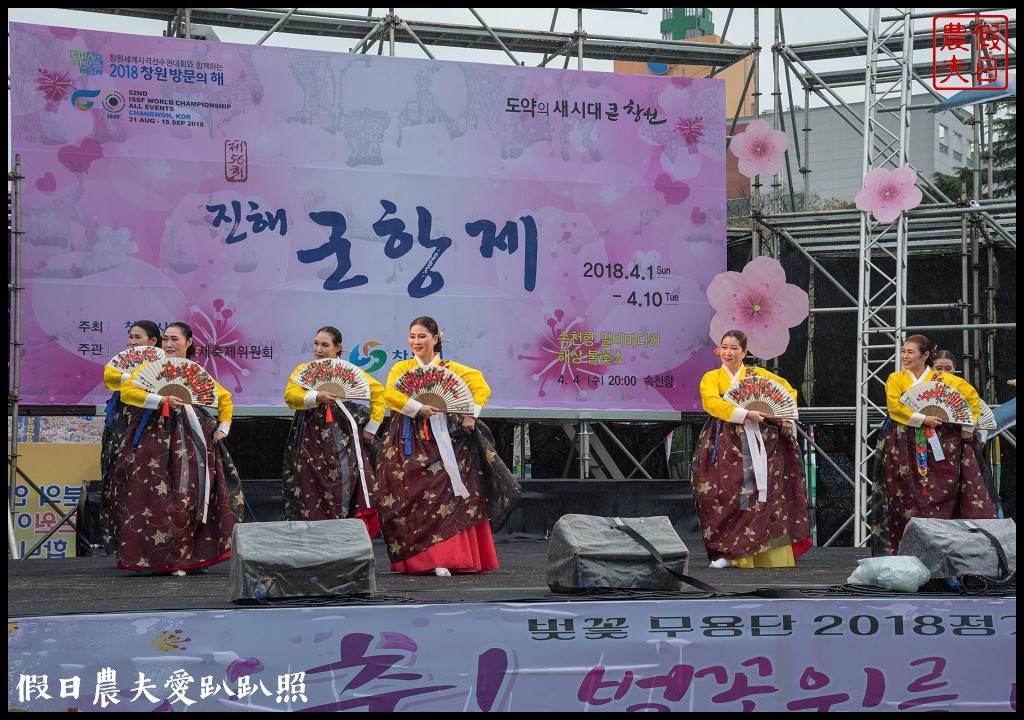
{"x": 931, "y": 468}
{"x": 748, "y": 517}
{"x": 328, "y": 471}
{"x": 433, "y": 520}
{"x": 183, "y": 495}
{"x": 141, "y": 333}
{"x": 944, "y": 363}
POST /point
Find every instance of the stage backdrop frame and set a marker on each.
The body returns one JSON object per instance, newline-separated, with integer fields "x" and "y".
{"x": 561, "y": 225}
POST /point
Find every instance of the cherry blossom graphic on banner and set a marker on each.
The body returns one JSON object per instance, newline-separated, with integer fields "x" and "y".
{"x": 760, "y": 148}
{"x": 561, "y": 224}
{"x": 887, "y": 193}
{"x": 759, "y": 302}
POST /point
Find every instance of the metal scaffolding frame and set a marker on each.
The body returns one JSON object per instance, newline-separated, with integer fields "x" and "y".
{"x": 881, "y": 56}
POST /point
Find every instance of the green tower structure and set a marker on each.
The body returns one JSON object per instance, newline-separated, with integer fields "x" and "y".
{"x": 686, "y": 23}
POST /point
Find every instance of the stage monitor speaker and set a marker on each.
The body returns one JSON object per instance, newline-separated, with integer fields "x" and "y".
{"x": 587, "y": 552}
{"x": 89, "y": 520}
{"x": 296, "y": 559}
{"x": 953, "y": 548}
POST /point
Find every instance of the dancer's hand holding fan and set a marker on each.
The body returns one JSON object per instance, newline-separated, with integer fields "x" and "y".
{"x": 177, "y": 377}
{"x": 939, "y": 400}
{"x": 336, "y": 377}
{"x": 437, "y": 386}
{"x": 764, "y": 395}
{"x": 130, "y": 359}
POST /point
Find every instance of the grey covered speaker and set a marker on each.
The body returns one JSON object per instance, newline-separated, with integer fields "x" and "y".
{"x": 587, "y": 552}
{"x": 952, "y": 548}
{"x": 291, "y": 559}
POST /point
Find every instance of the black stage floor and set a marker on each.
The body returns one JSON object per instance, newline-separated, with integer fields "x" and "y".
{"x": 95, "y": 585}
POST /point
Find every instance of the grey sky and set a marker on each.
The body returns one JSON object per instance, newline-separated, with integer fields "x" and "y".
{"x": 800, "y": 25}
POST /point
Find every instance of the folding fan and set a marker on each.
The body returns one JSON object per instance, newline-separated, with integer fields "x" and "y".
{"x": 178, "y": 377}
{"x": 335, "y": 376}
{"x": 128, "y": 360}
{"x": 939, "y": 399}
{"x": 437, "y": 386}
{"x": 757, "y": 392}
{"x": 987, "y": 419}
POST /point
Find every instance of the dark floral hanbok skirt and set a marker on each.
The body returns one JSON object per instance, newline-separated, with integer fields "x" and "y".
{"x": 111, "y": 443}
{"x": 417, "y": 506}
{"x": 903, "y": 488}
{"x": 734, "y": 524}
{"x": 321, "y": 468}
{"x": 157, "y": 491}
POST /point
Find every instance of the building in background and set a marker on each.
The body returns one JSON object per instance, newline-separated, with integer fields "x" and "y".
{"x": 695, "y": 25}
{"x": 834, "y": 150}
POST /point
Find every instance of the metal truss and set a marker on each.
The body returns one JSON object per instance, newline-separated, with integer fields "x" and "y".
{"x": 882, "y": 281}
{"x": 881, "y": 58}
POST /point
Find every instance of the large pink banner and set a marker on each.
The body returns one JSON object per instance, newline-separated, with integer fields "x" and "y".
{"x": 562, "y": 226}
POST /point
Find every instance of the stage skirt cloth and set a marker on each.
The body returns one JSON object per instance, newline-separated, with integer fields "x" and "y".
{"x": 424, "y": 523}
{"x": 321, "y": 469}
{"x": 112, "y": 441}
{"x": 157, "y": 493}
{"x": 734, "y": 524}
{"x": 902, "y": 488}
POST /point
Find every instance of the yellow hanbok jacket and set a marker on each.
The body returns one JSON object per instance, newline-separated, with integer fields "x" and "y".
{"x": 399, "y": 402}
{"x": 299, "y": 398}
{"x": 901, "y": 381}
{"x": 716, "y": 382}
{"x": 136, "y": 396}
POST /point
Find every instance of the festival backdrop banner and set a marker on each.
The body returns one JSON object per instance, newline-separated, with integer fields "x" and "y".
{"x": 562, "y": 226}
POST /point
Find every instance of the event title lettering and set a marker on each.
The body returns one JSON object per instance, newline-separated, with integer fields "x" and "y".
{"x": 399, "y": 242}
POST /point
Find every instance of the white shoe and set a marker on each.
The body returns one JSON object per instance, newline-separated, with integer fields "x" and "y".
{"x": 179, "y": 573}
{"x": 721, "y": 564}
{"x": 442, "y": 572}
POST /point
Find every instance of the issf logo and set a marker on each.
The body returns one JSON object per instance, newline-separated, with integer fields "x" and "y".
{"x": 82, "y": 99}
{"x": 113, "y": 101}
{"x": 370, "y": 356}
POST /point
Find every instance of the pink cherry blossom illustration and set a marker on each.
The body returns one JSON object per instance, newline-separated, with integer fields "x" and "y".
{"x": 887, "y": 193}
{"x": 759, "y": 302}
{"x": 79, "y": 158}
{"x": 55, "y": 87}
{"x": 760, "y": 149}
{"x": 691, "y": 129}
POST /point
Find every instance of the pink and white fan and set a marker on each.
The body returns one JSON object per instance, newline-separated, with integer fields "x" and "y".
{"x": 987, "y": 418}
{"x": 437, "y": 386}
{"x": 179, "y": 377}
{"x": 939, "y": 399}
{"x": 130, "y": 359}
{"x": 763, "y": 394}
{"x": 336, "y": 376}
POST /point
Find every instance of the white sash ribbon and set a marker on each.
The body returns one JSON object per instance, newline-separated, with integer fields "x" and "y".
{"x": 933, "y": 437}
{"x": 197, "y": 428}
{"x": 755, "y": 443}
{"x": 439, "y": 424}
{"x": 933, "y": 442}
{"x": 759, "y": 457}
{"x": 358, "y": 450}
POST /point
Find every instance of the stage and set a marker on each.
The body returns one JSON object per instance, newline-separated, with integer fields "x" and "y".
{"x": 769, "y": 639}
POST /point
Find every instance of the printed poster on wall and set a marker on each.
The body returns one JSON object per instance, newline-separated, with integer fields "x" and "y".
{"x": 561, "y": 226}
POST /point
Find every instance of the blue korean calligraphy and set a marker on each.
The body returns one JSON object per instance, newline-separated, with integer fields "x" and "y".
{"x": 258, "y": 221}
{"x": 508, "y": 241}
{"x": 399, "y": 242}
{"x": 337, "y": 244}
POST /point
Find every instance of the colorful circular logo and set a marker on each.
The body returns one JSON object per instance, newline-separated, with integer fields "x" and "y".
{"x": 82, "y": 99}
{"x": 370, "y": 357}
{"x": 113, "y": 101}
